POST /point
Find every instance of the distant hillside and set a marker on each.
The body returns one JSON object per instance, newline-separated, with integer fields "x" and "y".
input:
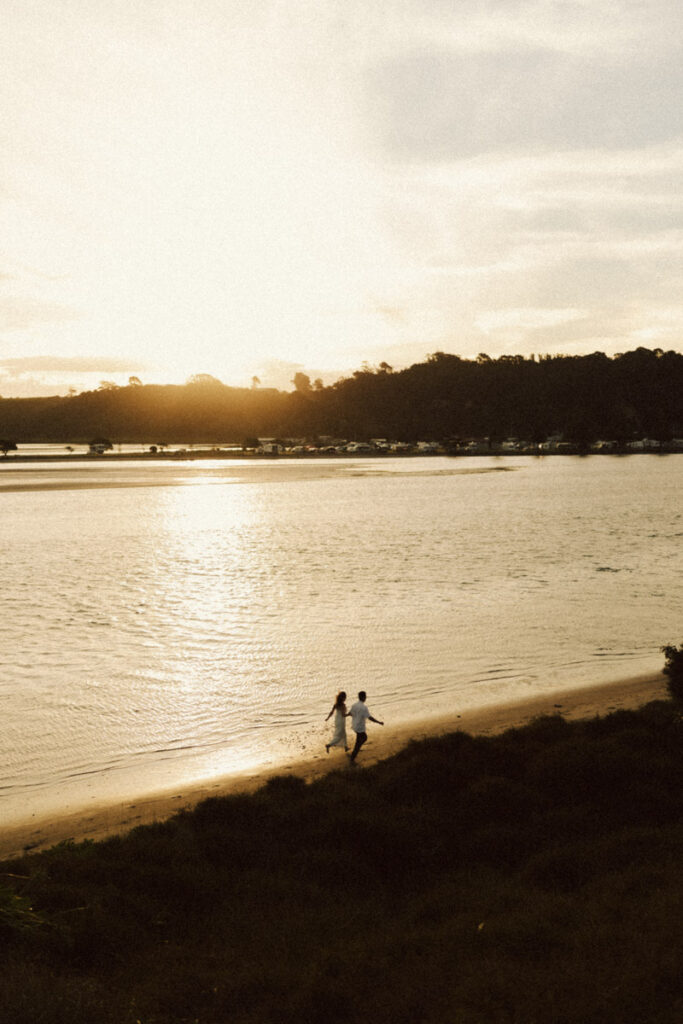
{"x": 582, "y": 398}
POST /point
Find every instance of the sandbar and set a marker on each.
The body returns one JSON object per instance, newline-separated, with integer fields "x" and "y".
{"x": 383, "y": 742}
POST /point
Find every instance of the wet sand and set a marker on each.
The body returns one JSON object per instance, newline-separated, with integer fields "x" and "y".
{"x": 383, "y": 742}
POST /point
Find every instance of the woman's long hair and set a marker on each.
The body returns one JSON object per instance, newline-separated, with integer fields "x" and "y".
{"x": 341, "y": 697}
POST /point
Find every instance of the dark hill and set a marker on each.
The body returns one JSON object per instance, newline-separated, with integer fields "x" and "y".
{"x": 582, "y": 398}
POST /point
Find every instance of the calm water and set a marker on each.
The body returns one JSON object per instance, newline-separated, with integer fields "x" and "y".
{"x": 164, "y": 623}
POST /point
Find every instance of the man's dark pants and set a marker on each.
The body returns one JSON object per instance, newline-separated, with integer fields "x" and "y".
{"x": 360, "y": 740}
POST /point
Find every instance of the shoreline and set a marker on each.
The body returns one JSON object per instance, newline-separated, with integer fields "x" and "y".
{"x": 227, "y": 454}
{"x": 122, "y": 816}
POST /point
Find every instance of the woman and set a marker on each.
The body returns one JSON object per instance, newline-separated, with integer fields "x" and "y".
{"x": 340, "y": 714}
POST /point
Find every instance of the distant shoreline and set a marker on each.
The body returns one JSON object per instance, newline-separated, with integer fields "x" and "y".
{"x": 100, "y": 821}
{"x": 224, "y": 454}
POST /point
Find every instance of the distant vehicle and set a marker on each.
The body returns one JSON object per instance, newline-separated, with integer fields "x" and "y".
{"x": 100, "y": 445}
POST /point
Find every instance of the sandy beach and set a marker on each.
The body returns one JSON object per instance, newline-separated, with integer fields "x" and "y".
{"x": 121, "y": 817}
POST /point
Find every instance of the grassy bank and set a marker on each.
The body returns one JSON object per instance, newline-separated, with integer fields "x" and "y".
{"x": 530, "y": 877}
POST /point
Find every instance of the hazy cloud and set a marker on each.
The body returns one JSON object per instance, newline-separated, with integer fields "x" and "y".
{"x": 18, "y": 314}
{"x": 439, "y": 105}
{"x": 70, "y": 364}
{"x": 23, "y": 376}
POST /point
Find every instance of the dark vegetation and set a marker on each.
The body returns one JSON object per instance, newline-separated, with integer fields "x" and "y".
{"x": 529, "y": 878}
{"x": 581, "y": 398}
{"x": 673, "y": 670}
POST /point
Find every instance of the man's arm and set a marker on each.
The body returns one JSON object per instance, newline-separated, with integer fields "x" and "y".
{"x": 375, "y": 720}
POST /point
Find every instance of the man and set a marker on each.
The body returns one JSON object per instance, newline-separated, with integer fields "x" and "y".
{"x": 359, "y": 716}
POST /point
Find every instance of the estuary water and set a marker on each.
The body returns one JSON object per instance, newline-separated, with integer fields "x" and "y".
{"x": 163, "y": 623}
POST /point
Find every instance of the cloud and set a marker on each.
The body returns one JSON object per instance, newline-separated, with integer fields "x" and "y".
{"x": 437, "y": 105}
{"x": 17, "y": 314}
{"x": 526, "y": 319}
{"x": 75, "y": 364}
{"x": 482, "y": 239}
{"x": 582, "y": 27}
{"x": 22, "y": 376}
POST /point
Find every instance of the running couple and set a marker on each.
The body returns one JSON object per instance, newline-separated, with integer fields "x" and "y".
{"x": 359, "y": 715}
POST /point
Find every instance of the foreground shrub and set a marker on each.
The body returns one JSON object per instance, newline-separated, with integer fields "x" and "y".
{"x": 518, "y": 879}
{"x": 17, "y": 918}
{"x": 673, "y": 670}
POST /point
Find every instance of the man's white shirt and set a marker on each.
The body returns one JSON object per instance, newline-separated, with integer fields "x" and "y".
{"x": 359, "y": 716}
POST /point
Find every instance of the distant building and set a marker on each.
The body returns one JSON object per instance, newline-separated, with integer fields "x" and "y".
{"x": 269, "y": 446}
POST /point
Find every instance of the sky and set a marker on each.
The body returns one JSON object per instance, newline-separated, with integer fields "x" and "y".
{"x": 252, "y": 188}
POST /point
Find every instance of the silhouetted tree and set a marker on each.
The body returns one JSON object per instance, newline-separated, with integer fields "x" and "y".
{"x": 203, "y": 379}
{"x": 301, "y": 382}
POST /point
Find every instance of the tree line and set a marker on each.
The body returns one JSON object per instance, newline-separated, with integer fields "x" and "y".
{"x": 581, "y": 398}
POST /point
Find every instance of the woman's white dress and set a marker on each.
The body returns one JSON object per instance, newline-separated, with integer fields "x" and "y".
{"x": 339, "y": 738}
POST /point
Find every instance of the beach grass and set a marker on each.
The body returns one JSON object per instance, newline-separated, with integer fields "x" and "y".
{"x": 527, "y": 878}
